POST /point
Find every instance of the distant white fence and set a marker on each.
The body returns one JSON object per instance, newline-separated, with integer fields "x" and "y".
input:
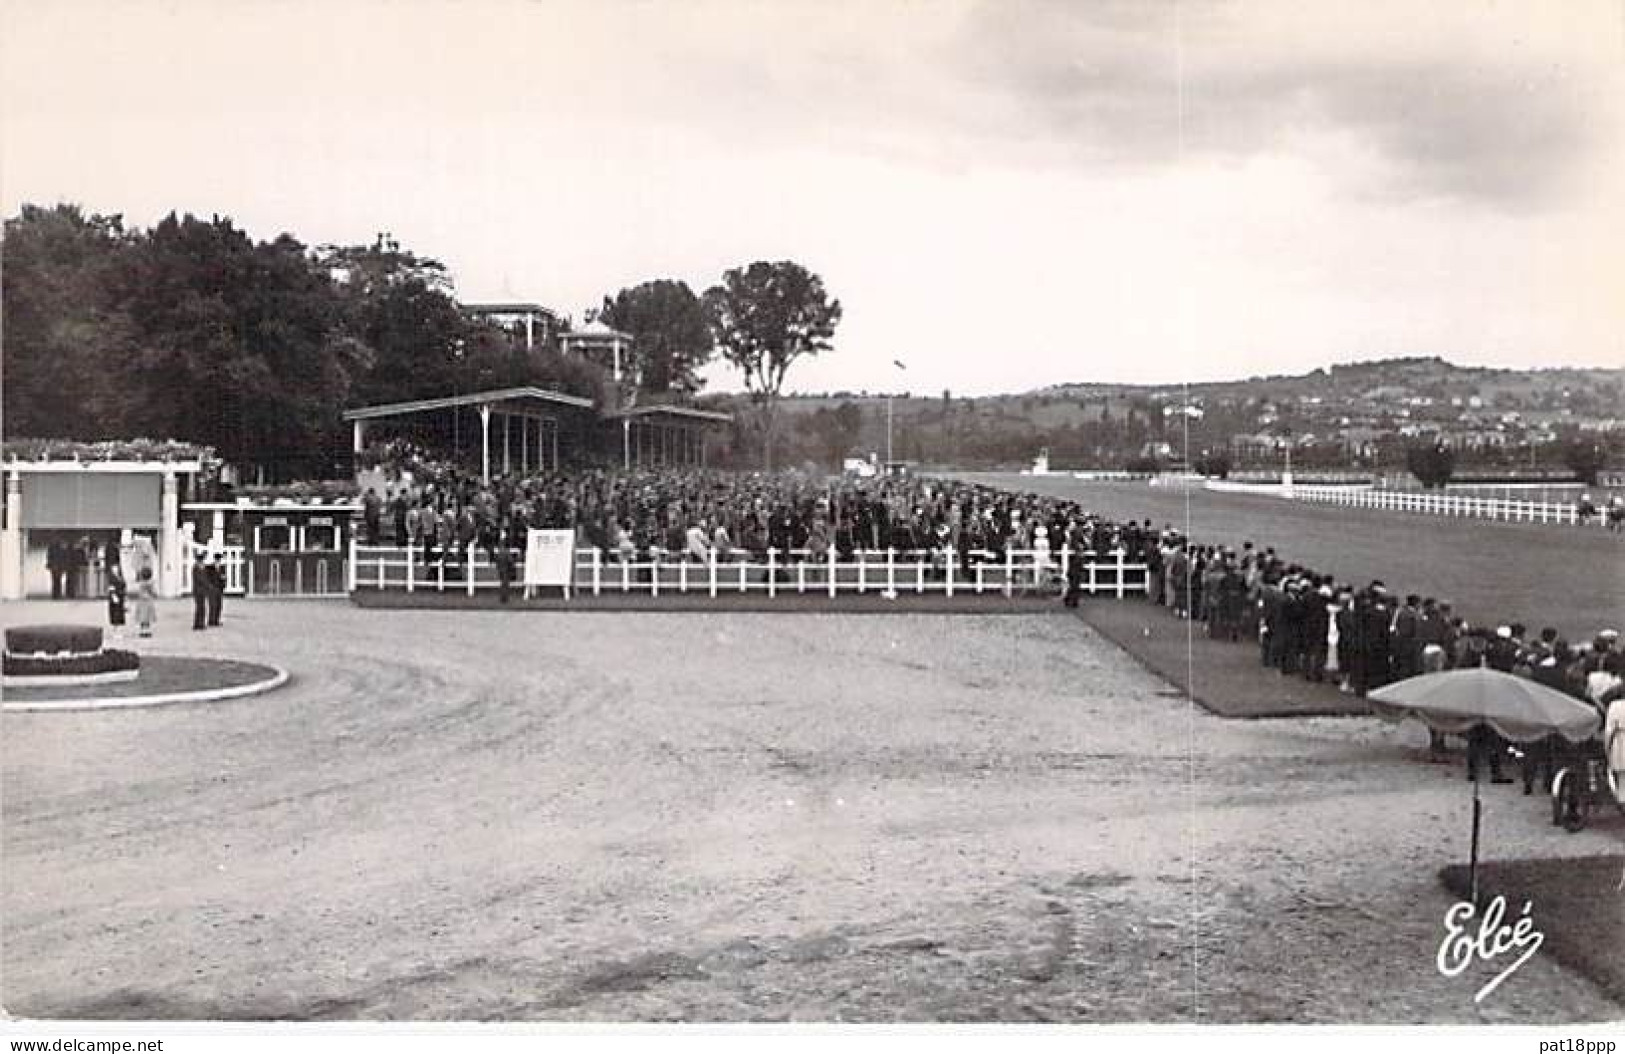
{"x": 1464, "y": 505}
{"x": 885, "y": 572}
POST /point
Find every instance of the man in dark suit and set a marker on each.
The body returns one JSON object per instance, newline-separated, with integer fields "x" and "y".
{"x": 1405, "y": 653}
{"x": 78, "y": 563}
{"x": 201, "y": 587}
{"x": 217, "y": 588}
{"x": 56, "y": 561}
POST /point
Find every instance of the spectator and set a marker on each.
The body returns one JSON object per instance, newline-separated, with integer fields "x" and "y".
{"x": 146, "y": 610}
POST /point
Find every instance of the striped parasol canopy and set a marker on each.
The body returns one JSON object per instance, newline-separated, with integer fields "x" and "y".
{"x": 1456, "y": 701}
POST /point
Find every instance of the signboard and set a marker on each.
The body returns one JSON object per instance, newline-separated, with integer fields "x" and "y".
{"x": 98, "y": 501}
{"x": 550, "y": 559}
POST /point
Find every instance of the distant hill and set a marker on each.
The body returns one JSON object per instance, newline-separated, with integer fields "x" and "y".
{"x": 1421, "y": 375}
{"x": 1358, "y": 412}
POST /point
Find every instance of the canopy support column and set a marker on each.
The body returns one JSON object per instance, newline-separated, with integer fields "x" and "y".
{"x": 485, "y": 442}
{"x": 172, "y": 563}
{"x": 11, "y": 541}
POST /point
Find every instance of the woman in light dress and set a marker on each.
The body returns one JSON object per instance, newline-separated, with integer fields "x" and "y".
{"x": 145, "y": 593}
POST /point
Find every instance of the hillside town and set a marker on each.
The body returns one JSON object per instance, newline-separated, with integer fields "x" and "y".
{"x": 1363, "y": 416}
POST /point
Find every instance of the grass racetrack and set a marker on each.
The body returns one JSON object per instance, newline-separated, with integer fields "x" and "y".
{"x": 1572, "y": 578}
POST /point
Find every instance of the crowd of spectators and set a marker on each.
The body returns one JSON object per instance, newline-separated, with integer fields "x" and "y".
{"x": 697, "y": 515}
{"x": 1308, "y": 624}
{"x": 1304, "y": 622}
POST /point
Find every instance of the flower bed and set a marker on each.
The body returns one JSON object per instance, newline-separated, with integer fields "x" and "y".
{"x": 312, "y": 493}
{"x": 52, "y": 640}
{"x": 105, "y": 450}
{"x": 112, "y": 660}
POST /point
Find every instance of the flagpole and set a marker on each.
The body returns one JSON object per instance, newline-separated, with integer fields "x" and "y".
{"x": 889, "y": 395}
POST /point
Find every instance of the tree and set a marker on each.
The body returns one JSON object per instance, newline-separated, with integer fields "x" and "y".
{"x": 1213, "y": 464}
{"x": 400, "y": 307}
{"x": 1585, "y": 460}
{"x": 670, "y": 331}
{"x": 239, "y": 344}
{"x": 1431, "y": 463}
{"x": 763, "y": 318}
{"x": 836, "y": 430}
{"x": 366, "y": 270}
{"x": 68, "y": 340}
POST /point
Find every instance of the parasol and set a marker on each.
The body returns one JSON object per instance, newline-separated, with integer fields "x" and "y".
{"x": 1457, "y": 701}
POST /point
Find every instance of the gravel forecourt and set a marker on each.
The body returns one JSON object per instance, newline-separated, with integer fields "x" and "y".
{"x": 496, "y": 815}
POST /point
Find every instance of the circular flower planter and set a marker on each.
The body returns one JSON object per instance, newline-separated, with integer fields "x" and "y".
{"x": 63, "y": 656}
{"x": 163, "y": 680}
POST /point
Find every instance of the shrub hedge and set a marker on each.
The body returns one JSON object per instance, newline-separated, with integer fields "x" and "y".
{"x": 25, "y": 640}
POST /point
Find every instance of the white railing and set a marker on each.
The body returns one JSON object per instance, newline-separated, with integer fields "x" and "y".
{"x": 883, "y": 572}
{"x": 231, "y": 558}
{"x": 1464, "y": 505}
{"x": 293, "y": 574}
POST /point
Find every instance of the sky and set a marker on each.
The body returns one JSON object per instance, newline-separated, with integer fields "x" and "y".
{"x": 1003, "y": 194}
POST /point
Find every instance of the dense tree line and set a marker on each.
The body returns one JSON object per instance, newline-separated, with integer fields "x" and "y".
{"x": 194, "y": 330}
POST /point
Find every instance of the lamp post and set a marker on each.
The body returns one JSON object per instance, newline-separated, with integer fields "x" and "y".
{"x": 889, "y": 394}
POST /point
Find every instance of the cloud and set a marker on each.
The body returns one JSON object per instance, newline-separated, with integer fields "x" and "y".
{"x": 1443, "y": 113}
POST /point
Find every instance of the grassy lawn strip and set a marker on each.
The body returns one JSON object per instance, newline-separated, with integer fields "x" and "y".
{"x": 1224, "y": 677}
{"x": 1577, "y": 905}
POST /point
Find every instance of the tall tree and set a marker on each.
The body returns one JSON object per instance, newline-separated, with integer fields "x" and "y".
{"x": 1431, "y": 462}
{"x": 836, "y": 430}
{"x": 239, "y": 343}
{"x": 400, "y": 307}
{"x": 670, "y": 331}
{"x": 764, "y": 317}
{"x": 68, "y": 341}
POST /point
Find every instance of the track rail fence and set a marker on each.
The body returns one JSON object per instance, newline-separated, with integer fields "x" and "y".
{"x": 886, "y": 572}
{"x": 1464, "y": 505}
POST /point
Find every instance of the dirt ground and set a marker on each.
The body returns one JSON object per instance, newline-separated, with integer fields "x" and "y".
{"x": 488, "y": 815}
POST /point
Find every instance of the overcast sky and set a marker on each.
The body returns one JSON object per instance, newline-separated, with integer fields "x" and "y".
{"x": 1002, "y": 194}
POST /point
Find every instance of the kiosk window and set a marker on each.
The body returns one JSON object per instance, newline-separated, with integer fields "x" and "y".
{"x": 321, "y": 538}
{"x": 276, "y": 538}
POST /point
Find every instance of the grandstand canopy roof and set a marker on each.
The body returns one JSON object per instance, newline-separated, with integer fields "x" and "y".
{"x": 692, "y": 413}
{"x": 493, "y": 396}
{"x": 510, "y": 309}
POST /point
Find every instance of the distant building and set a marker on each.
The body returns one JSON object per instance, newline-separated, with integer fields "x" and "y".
{"x": 1361, "y": 442}
{"x": 597, "y": 342}
{"x": 535, "y": 323}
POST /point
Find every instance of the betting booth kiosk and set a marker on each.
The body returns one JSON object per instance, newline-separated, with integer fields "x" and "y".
{"x": 279, "y": 547}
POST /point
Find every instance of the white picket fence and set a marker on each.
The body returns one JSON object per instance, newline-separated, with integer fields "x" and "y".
{"x": 1464, "y": 505}
{"x": 231, "y": 558}
{"x": 884, "y": 572}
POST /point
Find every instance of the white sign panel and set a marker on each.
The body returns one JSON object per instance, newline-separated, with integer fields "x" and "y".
{"x": 550, "y": 559}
